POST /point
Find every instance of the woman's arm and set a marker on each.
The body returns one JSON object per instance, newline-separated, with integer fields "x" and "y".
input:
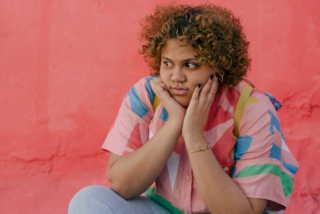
{"x": 220, "y": 193}
{"x": 133, "y": 173}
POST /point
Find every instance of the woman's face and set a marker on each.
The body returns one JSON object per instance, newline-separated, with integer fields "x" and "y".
{"x": 181, "y": 72}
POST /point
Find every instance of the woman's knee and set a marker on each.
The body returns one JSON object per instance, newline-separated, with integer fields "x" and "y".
{"x": 87, "y": 199}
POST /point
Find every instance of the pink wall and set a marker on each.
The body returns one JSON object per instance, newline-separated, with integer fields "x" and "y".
{"x": 65, "y": 66}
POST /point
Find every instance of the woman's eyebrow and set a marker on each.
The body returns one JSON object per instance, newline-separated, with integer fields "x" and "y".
{"x": 185, "y": 60}
{"x": 165, "y": 58}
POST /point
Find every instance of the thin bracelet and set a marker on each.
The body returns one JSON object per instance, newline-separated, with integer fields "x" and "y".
{"x": 201, "y": 149}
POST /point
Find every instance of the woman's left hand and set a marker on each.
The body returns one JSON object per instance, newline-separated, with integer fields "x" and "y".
{"x": 198, "y": 111}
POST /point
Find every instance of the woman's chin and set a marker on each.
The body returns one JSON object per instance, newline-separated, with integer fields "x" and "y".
{"x": 183, "y": 102}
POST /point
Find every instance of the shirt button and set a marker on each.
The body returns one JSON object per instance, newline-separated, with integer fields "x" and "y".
{"x": 188, "y": 178}
{"x": 226, "y": 168}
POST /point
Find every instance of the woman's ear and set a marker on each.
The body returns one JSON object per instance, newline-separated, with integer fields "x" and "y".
{"x": 221, "y": 74}
{"x": 221, "y": 71}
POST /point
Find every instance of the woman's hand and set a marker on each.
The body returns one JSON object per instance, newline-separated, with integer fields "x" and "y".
{"x": 198, "y": 111}
{"x": 174, "y": 109}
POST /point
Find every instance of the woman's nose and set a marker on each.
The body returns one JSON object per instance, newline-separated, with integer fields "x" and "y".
{"x": 178, "y": 75}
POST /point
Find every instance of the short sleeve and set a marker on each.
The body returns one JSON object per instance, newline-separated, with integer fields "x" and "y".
{"x": 131, "y": 127}
{"x": 265, "y": 167}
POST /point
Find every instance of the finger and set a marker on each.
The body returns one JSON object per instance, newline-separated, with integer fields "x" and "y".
{"x": 163, "y": 86}
{"x": 195, "y": 95}
{"x": 155, "y": 81}
{"x": 160, "y": 88}
{"x": 206, "y": 89}
{"x": 213, "y": 89}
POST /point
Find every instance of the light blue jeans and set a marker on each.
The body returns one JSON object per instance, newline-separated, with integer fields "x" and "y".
{"x": 100, "y": 199}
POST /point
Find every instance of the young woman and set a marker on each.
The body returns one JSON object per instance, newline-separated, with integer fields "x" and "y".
{"x": 177, "y": 127}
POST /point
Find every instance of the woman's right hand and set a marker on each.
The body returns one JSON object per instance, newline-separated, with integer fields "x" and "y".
{"x": 174, "y": 109}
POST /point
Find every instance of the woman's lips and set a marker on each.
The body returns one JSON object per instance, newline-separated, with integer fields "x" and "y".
{"x": 179, "y": 91}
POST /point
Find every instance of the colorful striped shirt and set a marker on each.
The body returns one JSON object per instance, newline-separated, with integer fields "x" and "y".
{"x": 262, "y": 165}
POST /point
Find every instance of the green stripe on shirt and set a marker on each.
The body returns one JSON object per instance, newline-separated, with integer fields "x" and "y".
{"x": 151, "y": 193}
{"x": 286, "y": 179}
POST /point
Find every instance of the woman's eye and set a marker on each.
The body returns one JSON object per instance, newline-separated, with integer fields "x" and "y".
{"x": 167, "y": 64}
{"x": 191, "y": 65}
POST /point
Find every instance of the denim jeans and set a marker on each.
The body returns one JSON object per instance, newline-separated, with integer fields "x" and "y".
{"x": 100, "y": 199}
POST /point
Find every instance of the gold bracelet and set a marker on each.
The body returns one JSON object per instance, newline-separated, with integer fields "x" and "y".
{"x": 201, "y": 149}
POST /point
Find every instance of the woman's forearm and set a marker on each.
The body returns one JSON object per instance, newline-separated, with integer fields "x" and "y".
{"x": 133, "y": 173}
{"x": 220, "y": 193}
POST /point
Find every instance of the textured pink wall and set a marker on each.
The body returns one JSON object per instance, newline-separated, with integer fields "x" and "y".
{"x": 65, "y": 66}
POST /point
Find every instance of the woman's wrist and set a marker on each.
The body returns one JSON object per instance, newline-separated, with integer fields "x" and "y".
{"x": 201, "y": 149}
{"x": 195, "y": 142}
{"x": 175, "y": 123}
{"x": 177, "y": 119}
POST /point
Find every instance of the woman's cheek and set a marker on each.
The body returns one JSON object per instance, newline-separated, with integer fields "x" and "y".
{"x": 164, "y": 79}
{"x": 162, "y": 75}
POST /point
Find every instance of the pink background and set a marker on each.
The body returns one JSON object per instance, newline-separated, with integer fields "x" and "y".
{"x": 65, "y": 66}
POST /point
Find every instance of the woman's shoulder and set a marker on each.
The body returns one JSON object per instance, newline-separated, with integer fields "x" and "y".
{"x": 254, "y": 96}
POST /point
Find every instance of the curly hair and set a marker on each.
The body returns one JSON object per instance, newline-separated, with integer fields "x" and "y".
{"x": 214, "y": 32}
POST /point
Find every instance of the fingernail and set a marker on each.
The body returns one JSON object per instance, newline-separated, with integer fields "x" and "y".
{"x": 199, "y": 85}
{"x": 211, "y": 76}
